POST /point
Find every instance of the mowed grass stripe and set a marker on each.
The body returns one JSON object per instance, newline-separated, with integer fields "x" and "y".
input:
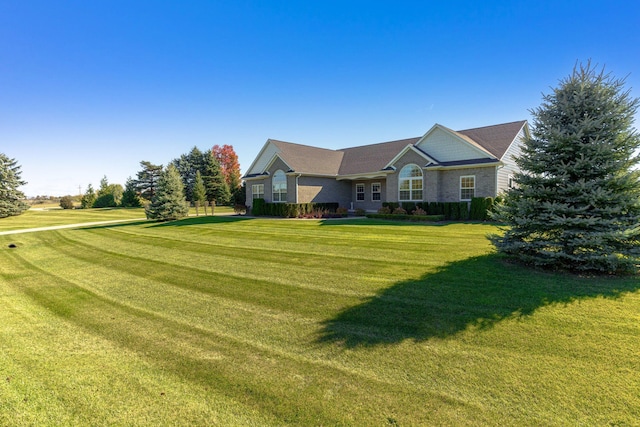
{"x": 352, "y": 235}
{"x": 252, "y": 261}
{"x": 298, "y": 396}
{"x": 285, "y": 297}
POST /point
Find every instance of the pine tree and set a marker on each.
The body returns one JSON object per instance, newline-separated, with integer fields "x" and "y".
{"x": 148, "y": 179}
{"x": 217, "y": 188}
{"x": 89, "y": 198}
{"x": 109, "y": 195}
{"x": 187, "y": 166}
{"x": 11, "y": 199}
{"x": 169, "y": 202}
{"x": 199, "y": 193}
{"x": 576, "y": 205}
{"x": 130, "y": 197}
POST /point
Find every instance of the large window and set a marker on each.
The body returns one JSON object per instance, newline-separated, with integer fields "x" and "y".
{"x": 360, "y": 192}
{"x": 257, "y": 191}
{"x": 410, "y": 183}
{"x": 375, "y": 191}
{"x": 279, "y": 186}
{"x": 467, "y": 187}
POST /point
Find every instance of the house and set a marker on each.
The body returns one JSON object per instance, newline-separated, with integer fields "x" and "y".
{"x": 443, "y": 165}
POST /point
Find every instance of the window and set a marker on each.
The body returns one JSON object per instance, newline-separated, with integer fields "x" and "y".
{"x": 511, "y": 183}
{"x": 375, "y": 191}
{"x": 360, "y": 192}
{"x": 257, "y": 191}
{"x": 410, "y": 183}
{"x": 467, "y": 187}
{"x": 279, "y": 187}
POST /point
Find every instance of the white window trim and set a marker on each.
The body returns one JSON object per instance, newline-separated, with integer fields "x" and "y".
{"x": 360, "y": 185}
{"x": 377, "y": 192}
{"x": 254, "y": 192}
{"x": 411, "y": 179}
{"x": 467, "y": 188}
{"x": 279, "y": 192}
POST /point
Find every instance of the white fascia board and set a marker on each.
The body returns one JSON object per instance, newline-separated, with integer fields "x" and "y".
{"x": 314, "y": 175}
{"x": 472, "y": 165}
{"x": 255, "y": 178}
{"x": 404, "y": 151}
{"x": 527, "y": 134}
{"x": 369, "y": 175}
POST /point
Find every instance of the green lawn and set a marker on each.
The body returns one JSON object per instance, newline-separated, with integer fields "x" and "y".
{"x": 239, "y": 321}
{"x": 46, "y": 217}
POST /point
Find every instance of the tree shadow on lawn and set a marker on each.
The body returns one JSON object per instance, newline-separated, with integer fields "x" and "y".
{"x": 476, "y": 292}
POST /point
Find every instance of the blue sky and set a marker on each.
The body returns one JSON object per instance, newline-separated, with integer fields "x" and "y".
{"x": 91, "y": 88}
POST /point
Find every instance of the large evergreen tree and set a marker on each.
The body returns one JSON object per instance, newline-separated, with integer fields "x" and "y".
{"x": 187, "y": 166}
{"x": 576, "y": 205}
{"x": 11, "y": 199}
{"x": 214, "y": 182}
{"x": 148, "y": 179}
{"x": 168, "y": 202}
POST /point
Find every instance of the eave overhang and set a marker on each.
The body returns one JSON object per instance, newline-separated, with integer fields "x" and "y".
{"x": 464, "y": 164}
{"x": 366, "y": 175}
{"x": 255, "y": 176}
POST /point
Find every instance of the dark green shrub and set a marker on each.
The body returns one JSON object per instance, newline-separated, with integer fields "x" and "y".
{"x": 409, "y": 206}
{"x": 259, "y": 207}
{"x": 391, "y": 205}
{"x": 480, "y": 208}
{"x": 463, "y": 211}
{"x": 406, "y": 217}
{"x": 105, "y": 201}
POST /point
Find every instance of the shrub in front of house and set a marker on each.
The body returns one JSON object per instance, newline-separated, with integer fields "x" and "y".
{"x": 399, "y": 211}
{"x": 341, "y": 211}
{"x": 294, "y": 210}
{"x": 391, "y": 205}
{"x": 419, "y": 211}
{"x": 407, "y": 217}
{"x": 480, "y": 208}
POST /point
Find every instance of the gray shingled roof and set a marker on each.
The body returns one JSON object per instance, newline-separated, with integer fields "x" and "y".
{"x": 311, "y": 160}
{"x": 495, "y": 139}
{"x": 306, "y": 159}
{"x": 371, "y": 158}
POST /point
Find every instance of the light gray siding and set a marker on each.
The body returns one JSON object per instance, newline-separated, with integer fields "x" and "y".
{"x": 446, "y": 147}
{"x": 510, "y": 167}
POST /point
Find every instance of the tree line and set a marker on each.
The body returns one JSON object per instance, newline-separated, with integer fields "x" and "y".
{"x": 206, "y": 178}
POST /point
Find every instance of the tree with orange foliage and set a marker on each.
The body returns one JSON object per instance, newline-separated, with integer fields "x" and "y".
{"x": 229, "y": 165}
